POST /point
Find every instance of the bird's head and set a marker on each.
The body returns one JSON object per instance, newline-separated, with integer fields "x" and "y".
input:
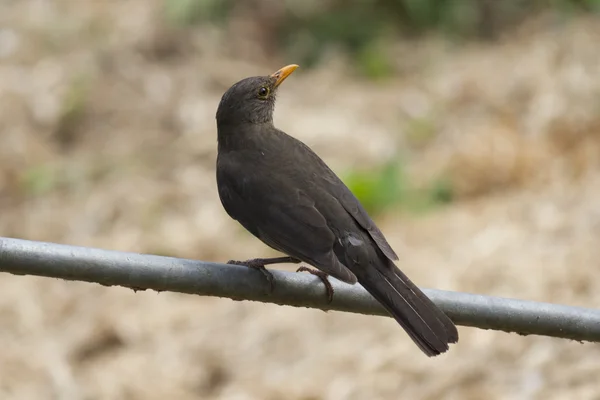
{"x": 251, "y": 100}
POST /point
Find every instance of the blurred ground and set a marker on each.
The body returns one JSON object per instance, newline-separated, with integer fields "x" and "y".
{"x": 108, "y": 140}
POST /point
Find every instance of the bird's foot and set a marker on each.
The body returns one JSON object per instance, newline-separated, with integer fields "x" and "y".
{"x": 258, "y": 264}
{"x": 324, "y": 278}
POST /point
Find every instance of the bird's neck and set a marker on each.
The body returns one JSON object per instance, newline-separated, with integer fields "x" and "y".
{"x": 242, "y": 136}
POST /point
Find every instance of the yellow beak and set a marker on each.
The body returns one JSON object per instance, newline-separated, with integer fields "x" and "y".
{"x": 283, "y": 73}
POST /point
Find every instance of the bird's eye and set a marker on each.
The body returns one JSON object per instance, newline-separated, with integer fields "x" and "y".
{"x": 263, "y": 92}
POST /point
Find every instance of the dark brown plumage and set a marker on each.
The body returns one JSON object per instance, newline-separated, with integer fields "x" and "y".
{"x": 285, "y": 195}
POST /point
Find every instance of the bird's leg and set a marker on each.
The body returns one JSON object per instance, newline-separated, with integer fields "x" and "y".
{"x": 259, "y": 264}
{"x": 324, "y": 278}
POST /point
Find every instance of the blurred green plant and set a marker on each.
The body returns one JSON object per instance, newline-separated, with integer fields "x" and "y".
{"x": 190, "y": 12}
{"x": 420, "y": 131}
{"x": 373, "y": 62}
{"x": 388, "y": 186}
{"x": 72, "y": 111}
{"x": 354, "y": 26}
{"x": 306, "y": 30}
{"x": 38, "y": 180}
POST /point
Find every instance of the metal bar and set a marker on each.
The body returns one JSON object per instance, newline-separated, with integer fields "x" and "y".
{"x": 143, "y": 271}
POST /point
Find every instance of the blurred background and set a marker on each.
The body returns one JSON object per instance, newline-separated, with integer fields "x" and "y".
{"x": 469, "y": 129}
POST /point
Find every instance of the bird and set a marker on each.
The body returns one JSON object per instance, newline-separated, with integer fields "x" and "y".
{"x": 284, "y": 194}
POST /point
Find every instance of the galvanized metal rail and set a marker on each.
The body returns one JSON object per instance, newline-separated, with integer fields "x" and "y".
{"x": 144, "y": 271}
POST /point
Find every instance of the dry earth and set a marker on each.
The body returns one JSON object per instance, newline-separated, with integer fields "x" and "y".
{"x": 108, "y": 140}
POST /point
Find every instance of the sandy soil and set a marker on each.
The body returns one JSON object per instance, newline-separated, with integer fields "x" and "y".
{"x": 108, "y": 140}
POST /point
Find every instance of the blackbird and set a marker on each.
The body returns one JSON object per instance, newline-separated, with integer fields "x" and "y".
{"x": 277, "y": 188}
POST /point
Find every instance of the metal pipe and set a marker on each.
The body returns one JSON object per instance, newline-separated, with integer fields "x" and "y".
{"x": 144, "y": 271}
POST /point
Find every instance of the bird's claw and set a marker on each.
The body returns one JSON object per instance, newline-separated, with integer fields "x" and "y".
{"x": 323, "y": 277}
{"x": 257, "y": 265}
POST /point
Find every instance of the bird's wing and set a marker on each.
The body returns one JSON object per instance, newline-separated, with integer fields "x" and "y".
{"x": 357, "y": 211}
{"x": 346, "y": 198}
{"x": 351, "y": 204}
{"x": 285, "y": 218}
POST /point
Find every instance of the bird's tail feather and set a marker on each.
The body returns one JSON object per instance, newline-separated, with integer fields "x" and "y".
{"x": 427, "y": 325}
